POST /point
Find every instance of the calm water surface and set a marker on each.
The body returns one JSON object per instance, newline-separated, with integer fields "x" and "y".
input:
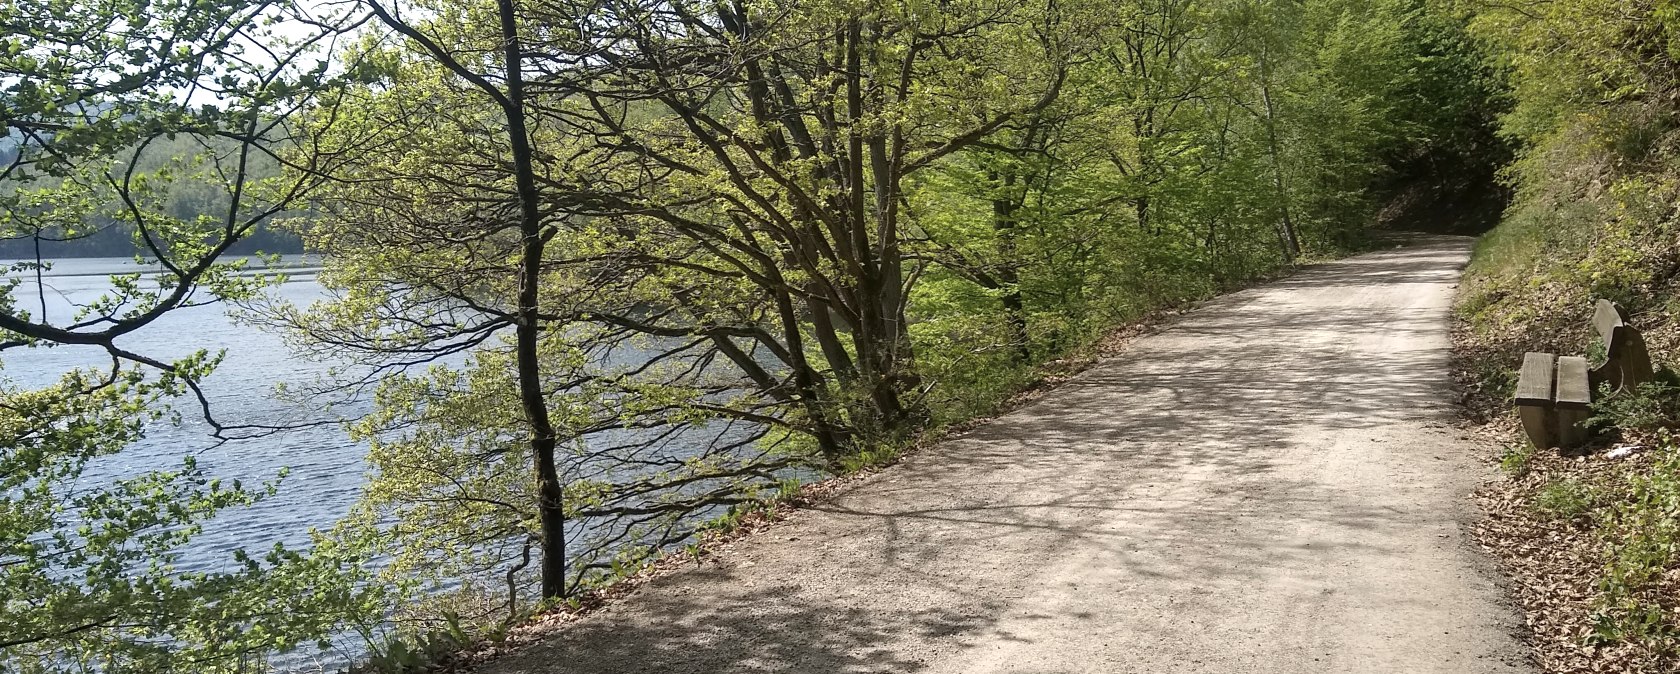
{"x": 326, "y": 468}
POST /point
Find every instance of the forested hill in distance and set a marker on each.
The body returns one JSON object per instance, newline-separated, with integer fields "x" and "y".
{"x": 116, "y": 241}
{"x": 187, "y": 197}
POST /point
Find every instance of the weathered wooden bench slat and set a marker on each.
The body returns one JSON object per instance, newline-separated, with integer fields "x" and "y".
{"x": 1572, "y": 389}
{"x": 1534, "y": 382}
{"x": 1606, "y": 318}
{"x": 1571, "y": 404}
{"x": 1534, "y": 398}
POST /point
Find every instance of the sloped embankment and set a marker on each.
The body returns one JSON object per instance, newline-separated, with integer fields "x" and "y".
{"x": 1592, "y": 544}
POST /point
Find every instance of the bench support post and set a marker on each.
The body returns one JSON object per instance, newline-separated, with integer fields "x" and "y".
{"x": 1537, "y": 423}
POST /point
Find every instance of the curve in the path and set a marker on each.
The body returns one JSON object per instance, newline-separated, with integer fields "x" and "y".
{"x": 1271, "y": 484}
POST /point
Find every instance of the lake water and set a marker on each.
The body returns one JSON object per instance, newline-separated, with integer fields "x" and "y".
{"x": 326, "y": 468}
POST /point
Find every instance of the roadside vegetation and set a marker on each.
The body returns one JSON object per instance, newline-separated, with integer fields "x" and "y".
{"x": 1593, "y": 543}
{"x": 618, "y": 275}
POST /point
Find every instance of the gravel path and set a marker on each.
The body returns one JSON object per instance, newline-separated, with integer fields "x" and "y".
{"x": 1271, "y": 484}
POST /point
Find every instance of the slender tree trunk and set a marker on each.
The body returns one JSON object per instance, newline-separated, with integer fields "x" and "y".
{"x": 1286, "y": 226}
{"x": 527, "y": 330}
{"x": 1017, "y": 313}
{"x": 1009, "y": 276}
{"x": 40, "y": 284}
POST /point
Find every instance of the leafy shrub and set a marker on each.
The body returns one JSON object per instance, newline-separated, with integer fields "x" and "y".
{"x": 1645, "y": 408}
{"x": 1497, "y": 380}
{"x": 1565, "y": 499}
{"x": 1517, "y": 459}
{"x": 1642, "y": 532}
{"x": 1597, "y": 352}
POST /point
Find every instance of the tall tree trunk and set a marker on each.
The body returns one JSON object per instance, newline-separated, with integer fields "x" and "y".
{"x": 527, "y": 321}
{"x": 527, "y": 330}
{"x": 877, "y": 336}
{"x": 1286, "y": 226}
{"x": 1009, "y": 276}
{"x": 40, "y": 283}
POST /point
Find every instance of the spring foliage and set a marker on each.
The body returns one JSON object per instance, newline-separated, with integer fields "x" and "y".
{"x": 1592, "y": 115}
{"x": 776, "y": 239}
{"x": 100, "y": 119}
{"x": 617, "y": 269}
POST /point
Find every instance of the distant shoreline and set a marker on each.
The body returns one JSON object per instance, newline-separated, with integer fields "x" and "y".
{"x": 289, "y": 263}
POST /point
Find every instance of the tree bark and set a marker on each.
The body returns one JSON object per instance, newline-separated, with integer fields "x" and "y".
{"x": 527, "y": 327}
{"x": 1009, "y": 277}
{"x": 1286, "y": 226}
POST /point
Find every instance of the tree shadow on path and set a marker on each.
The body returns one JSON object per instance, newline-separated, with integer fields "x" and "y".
{"x": 1203, "y": 472}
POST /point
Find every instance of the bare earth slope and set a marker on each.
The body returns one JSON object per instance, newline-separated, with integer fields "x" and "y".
{"x": 1269, "y": 485}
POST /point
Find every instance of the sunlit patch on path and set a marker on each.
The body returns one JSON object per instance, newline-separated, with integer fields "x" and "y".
{"x": 1272, "y": 484}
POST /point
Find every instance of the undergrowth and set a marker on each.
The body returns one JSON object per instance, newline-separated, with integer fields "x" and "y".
{"x": 1639, "y": 532}
{"x": 1565, "y": 499}
{"x": 1650, "y": 407}
{"x": 1517, "y": 459}
{"x": 1587, "y": 224}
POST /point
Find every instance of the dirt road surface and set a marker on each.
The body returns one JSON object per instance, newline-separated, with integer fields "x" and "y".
{"x": 1271, "y": 484}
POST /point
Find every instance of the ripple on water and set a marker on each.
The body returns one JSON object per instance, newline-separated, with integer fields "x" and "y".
{"x": 326, "y": 468}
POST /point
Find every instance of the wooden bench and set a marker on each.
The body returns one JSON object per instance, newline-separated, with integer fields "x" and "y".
{"x": 1626, "y": 362}
{"x": 1554, "y": 393}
